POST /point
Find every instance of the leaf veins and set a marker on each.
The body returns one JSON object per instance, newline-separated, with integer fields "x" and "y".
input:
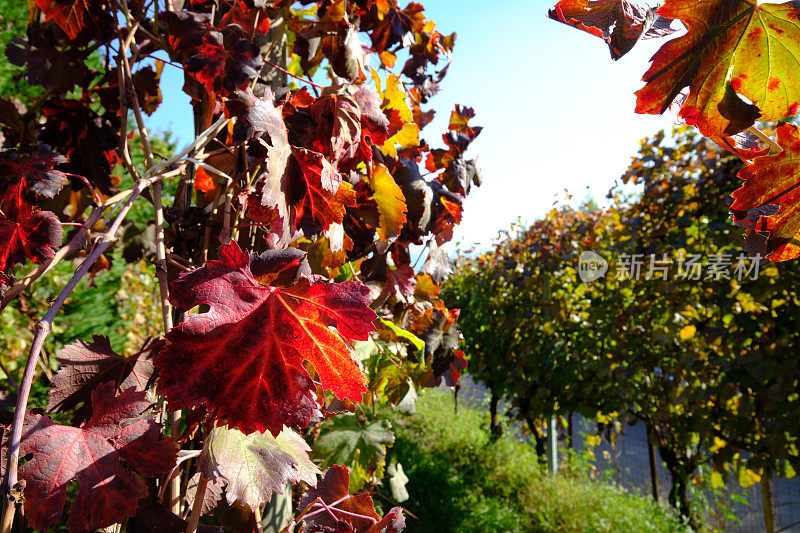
{"x": 244, "y": 358}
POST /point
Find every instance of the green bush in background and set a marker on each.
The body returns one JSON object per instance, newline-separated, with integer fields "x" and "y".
{"x": 462, "y": 480}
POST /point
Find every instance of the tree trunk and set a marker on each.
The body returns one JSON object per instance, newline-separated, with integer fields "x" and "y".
{"x": 768, "y": 501}
{"x": 541, "y": 442}
{"x": 651, "y": 453}
{"x": 496, "y": 426}
{"x": 678, "y": 495}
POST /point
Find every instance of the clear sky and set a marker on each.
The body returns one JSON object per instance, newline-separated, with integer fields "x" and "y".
{"x": 557, "y": 112}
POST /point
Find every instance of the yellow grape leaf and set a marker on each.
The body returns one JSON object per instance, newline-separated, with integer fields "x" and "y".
{"x": 390, "y": 201}
{"x": 737, "y": 58}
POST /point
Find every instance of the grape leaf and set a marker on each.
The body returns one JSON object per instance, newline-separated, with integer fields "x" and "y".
{"x": 621, "y": 24}
{"x": 88, "y": 139}
{"x": 737, "y": 48}
{"x": 264, "y": 117}
{"x": 211, "y": 497}
{"x": 31, "y": 236}
{"x": 437, "y": 328}
{"x": 92, "y": 456}
{"x": 389, "y": 331}
{"x": 401, "y": 283}
{"x": 333, "y": 490}
{"x": 226, "y": 61}
{"x": 35, "y": 172}
{"x": 361, "y": 447}
{"x": 256, "y": 465}
{"x": 338, "y": 119}
{"x": 771, "y": 182}
{"x": 333, "y": 487}
{"x": 279, "y": 268}
{"x": 250, "y": 20}
{"x": 393, "y": 522}
{"x": 67, "y": 14}
{"x": 85, "y": 365}
{"x": 390, "y": 201}
{"x": 243, "y": 358}
{"x": 317, "y": 192}
{"x": 394, "y": 24}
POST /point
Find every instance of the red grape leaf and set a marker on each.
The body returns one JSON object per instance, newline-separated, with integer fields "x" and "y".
{"x": 87, "y": 138}
{"x": 338, "y": 119}
{"x": 369, "y": 103}
{"x": 449, "y": 217}
{"x": 147, "y": 81}
{"x": 393, "y": 522}
{"x": 92, "y": 456}
{"x": 185, "y": 30}
{"x": 618, "y": 22}
{"x": 401, "y": 283}
{"x": 225, "y": 61}
{"x": 243, "y": 358}
{"x": 392, "y": 25}
{"x": 279, "y": 268}
{"x": 31, "y": 236}
{"x": 317, "y": 192}
{"x": 731, "y": 49}
{"x": 85, "y": 365}
{"x": 334, "y": 486}
{"x": 67, "y": 14}
{"x": 35, "y": 173}
{"x": 256, "y": 465}
{"x": 772, "y": 180}
{"x": 250, "y": 20}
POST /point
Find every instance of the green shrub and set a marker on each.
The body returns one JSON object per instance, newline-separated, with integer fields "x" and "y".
{"x": 461, "y": 480}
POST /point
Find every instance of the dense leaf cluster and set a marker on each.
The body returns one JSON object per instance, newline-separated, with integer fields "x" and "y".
{"x": 282, "y": 239}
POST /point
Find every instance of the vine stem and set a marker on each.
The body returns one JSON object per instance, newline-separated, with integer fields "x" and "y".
{"x": 197, "y": 507}
{"x": 74, "y": 245}
{"x": 273, "y": 65}
{"x": 183, "y": 455}
{"x": 166, "y": 315}
{"x": 155, "y": 174}
{"x": 161, "y": 254}
{"x": 43, "y": 328}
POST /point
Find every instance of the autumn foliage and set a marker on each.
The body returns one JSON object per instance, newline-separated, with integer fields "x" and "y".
{"x": 283, "y": 239}
{"x": 735, "y": 65}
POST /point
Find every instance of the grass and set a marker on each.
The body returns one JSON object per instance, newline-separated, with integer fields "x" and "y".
{"x": 460, "y": 480}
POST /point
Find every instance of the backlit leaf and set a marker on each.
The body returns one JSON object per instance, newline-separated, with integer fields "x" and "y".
{"x": 745, "y": 48}
{"x": 243, "y": 358}
{"x": 255, "y": 466}
{"x": 772, "y": 181}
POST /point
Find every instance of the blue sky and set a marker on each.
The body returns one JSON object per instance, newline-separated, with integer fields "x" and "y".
{"x": 557, "y": 112}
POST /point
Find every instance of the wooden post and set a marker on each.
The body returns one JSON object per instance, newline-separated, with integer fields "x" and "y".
{"x": 552, "y": 446}
{"x": 651, "y": 454}
{"x": 768, "y": 502}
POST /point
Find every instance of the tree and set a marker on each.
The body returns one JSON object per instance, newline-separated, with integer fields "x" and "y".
{"x": 658, "y": 346}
